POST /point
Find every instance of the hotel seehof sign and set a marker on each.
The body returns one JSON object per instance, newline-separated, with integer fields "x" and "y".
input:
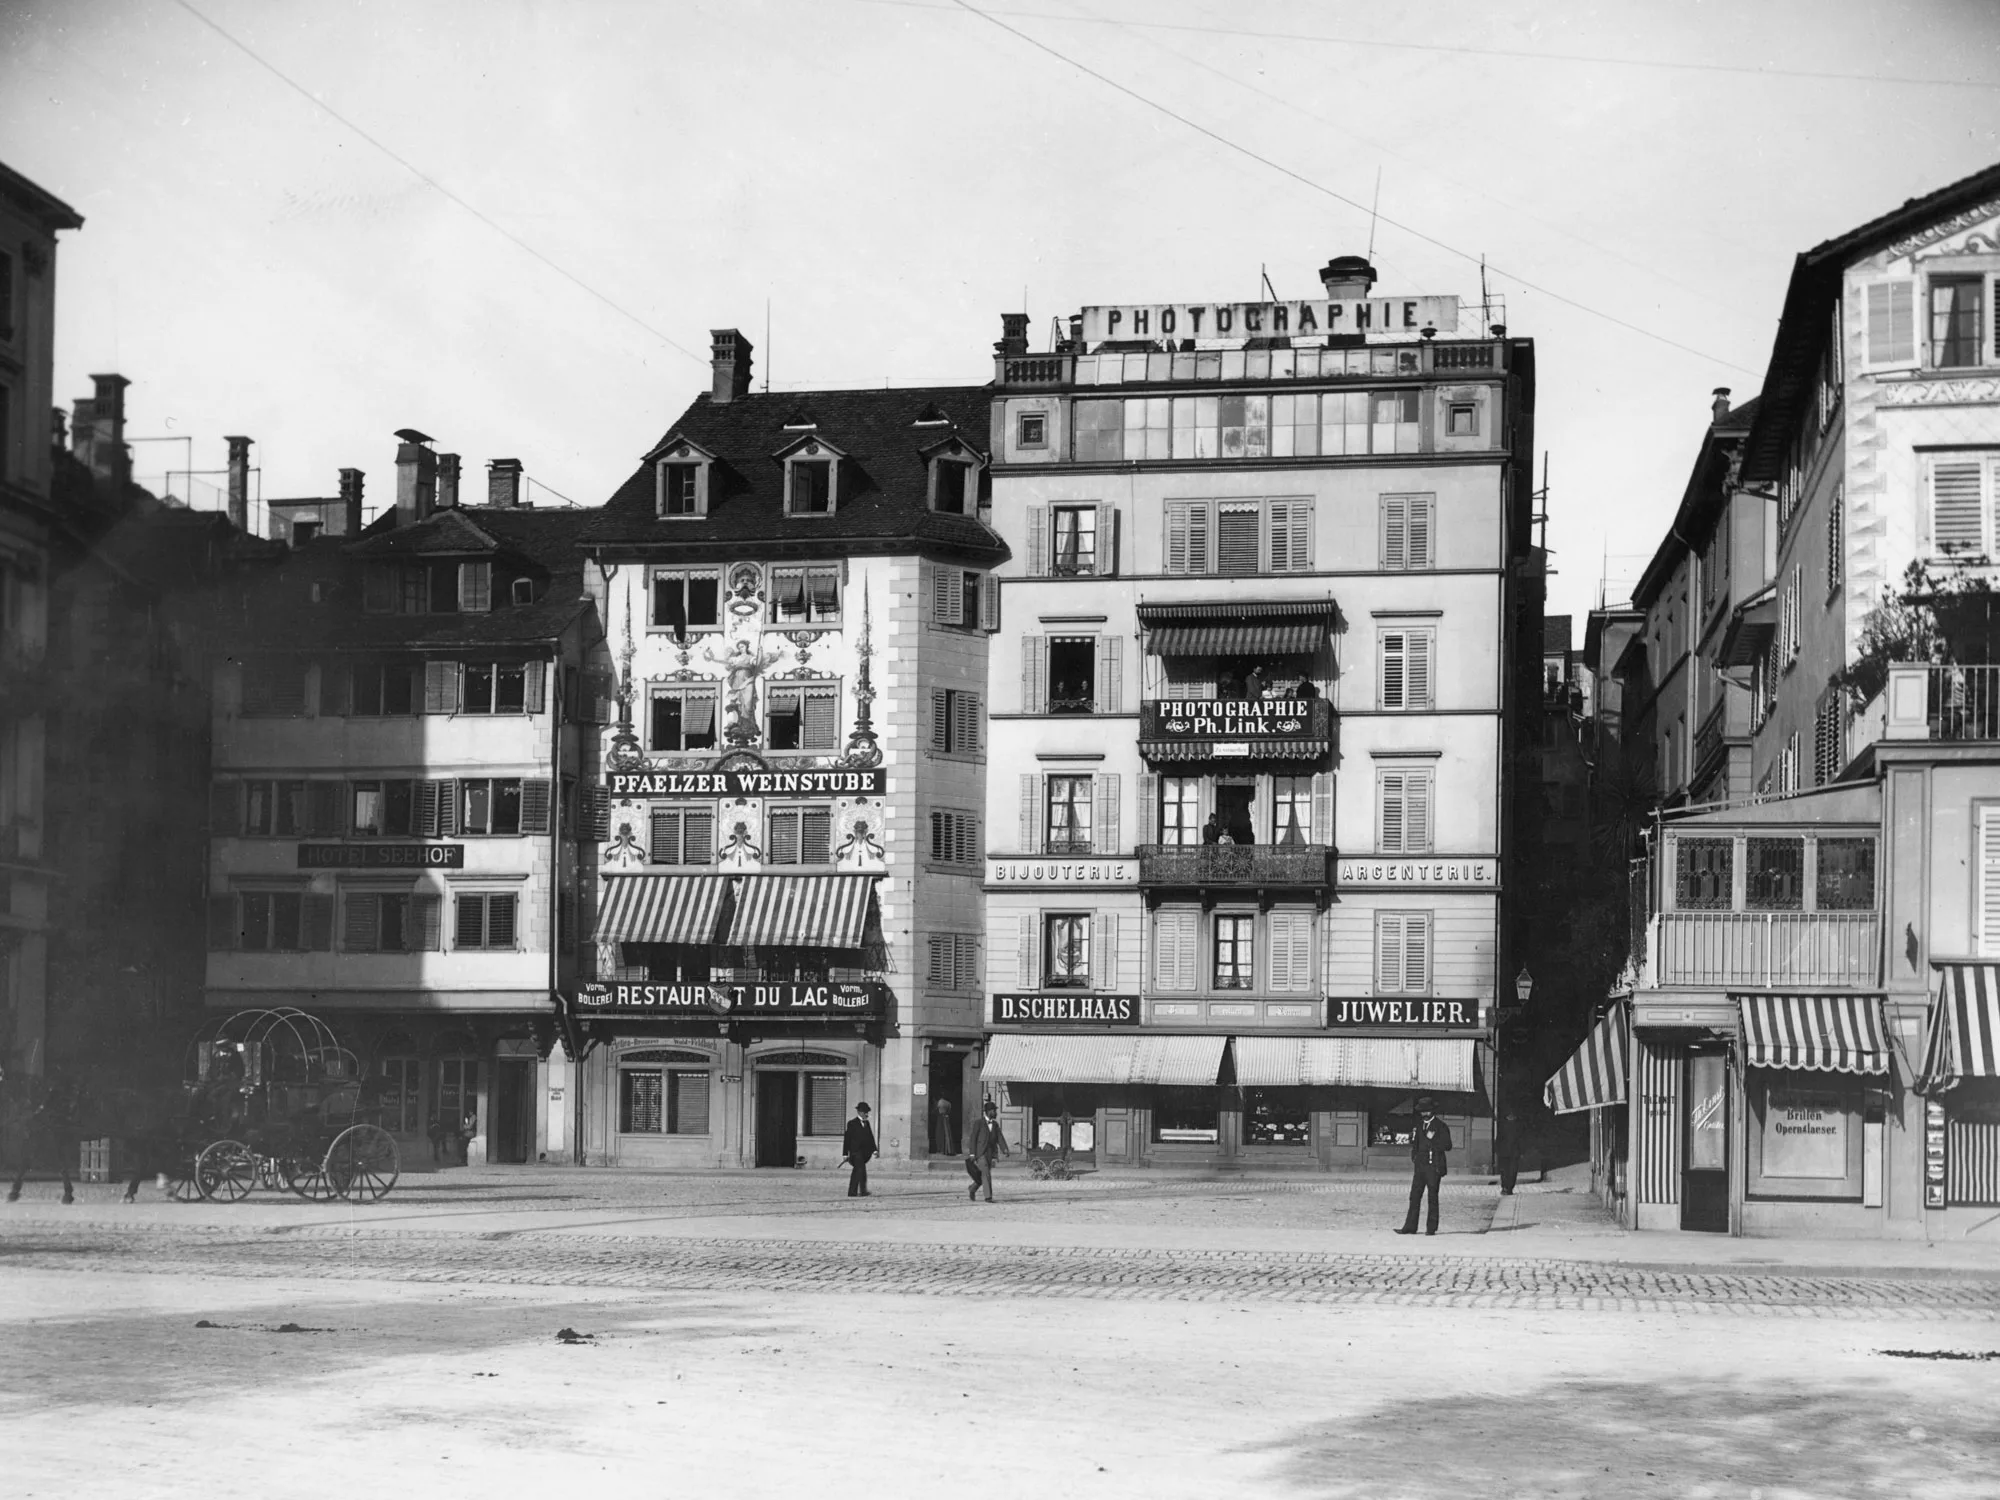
{"x": 1404, "y": 316}
{"x": 767, "y": 1000}
{"x": 1085, "y": 1009}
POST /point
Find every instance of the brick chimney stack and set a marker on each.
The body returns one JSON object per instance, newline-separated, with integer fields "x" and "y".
{"x": 97, "y": 431}
{"x": 416, "y": 477}
{"x": 503, "y": 481}
{"x": 1013, "y": 335}
{"x": 350, "y": 502}
{"x": 447, "y": 491}
{"x": 1720, "y": 406}
{"x": 729, "y": 354}
{"x": 239, "y": 482}
{"x": 1347, "y": 277}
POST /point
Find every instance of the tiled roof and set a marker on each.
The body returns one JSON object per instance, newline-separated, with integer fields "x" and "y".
{"x": 885, "y": 484}
{"x": 445, "y": 533}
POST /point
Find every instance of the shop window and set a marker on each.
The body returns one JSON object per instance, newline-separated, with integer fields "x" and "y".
{"x": 1704, "y": 873}
{"x": 1846, "y": 876}
{"x": 1774, "y": 874}
{"x": 686, "y": 602}
{"x": 1066, "y": 951}
{"x": 823, "y": 1104}
{"x": 1275, "y": 1117}
{"x": 1072, "y": 674}
{"x": 801, "y": 718}
{"x": 458, "y": 1091}
{"x": 1068, "y": 818}
{"x": 1390, "y": 1130}
{"x": 1180, "y": 810}
{"x": 680, "y": 719}
{"x": 805, "y": 596}
{"x": 484, "y": 920}
{"x": 1805, "y": 1135}
{"x": 799, "y": 836}
{"x": 661, "y": 1100}
{"x": 683, "y": 835}
{"x": 1185, "y": 1117}
{"x": 491, "y": 805}
{"x": 400, "y": 1094}
{"x": 1059, "y": 1131}
{"x": 1235, "y": 951}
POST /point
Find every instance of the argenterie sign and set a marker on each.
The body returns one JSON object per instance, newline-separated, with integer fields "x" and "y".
{"x": 1399, "y": 874}
{"x": 1403, "y": 316}
{"x": 1066, "y": 1010}
{"x": 631, "y": 785}
{"x": 780, "y": 999}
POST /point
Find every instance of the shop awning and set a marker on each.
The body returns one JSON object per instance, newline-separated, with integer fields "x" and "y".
{"x": 1964, "y": 1037}
{"x": 801, "y": 911}
{"x": 1814, "y": 1033}
{"x": 1283, "y": 629}
{"x": 1441, "y": 1063}
{"x": 660, "y": 908}
{"x": 1015, "y": 1058}
{"x": 1594, "y": 1076}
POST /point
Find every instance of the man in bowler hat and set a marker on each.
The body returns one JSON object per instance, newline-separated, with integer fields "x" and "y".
{"x": 1428, "y": 1144}
{"x": 855, "y": 1149}
{"x": 986, "y": 1144}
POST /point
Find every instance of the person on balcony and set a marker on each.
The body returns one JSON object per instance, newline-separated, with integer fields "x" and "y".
{"x": 1211, "y": 831}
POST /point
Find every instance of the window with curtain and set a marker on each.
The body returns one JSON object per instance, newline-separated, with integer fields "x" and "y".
{"x": 1180, "y": 810}
{"x": 1068, "y": 825}
{"x": 1235, "y": 951}
{"x": 1066, "y": 950}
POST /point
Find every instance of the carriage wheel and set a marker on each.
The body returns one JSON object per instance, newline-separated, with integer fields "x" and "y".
{"x": 306, "y": 1176}
{"x": 1038, "y": 1168}
{"x": 182, "y": 1185}
{"x": 362, "y": 1163}
{"x": 225, "y": 1170}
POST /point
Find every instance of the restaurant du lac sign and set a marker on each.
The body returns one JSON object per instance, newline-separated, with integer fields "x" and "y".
{"x": 1232, "y": 719}
{"x": 779, "y": 1000}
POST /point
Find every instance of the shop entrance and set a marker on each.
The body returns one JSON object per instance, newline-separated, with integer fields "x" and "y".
{"x": 1705, "y": 1179}
{"x": 513, "y": 1110}
{"x": 946, "y": 1101}
{"x": 777, "y": 1118}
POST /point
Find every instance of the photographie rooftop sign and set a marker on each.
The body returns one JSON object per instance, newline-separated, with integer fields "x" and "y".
{"x": 1232, "y": 719}
{"x": 1404, "y": 316}
{"x": 702, "y": 784}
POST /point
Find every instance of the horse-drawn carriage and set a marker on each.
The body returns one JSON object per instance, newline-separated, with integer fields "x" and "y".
{"x": 275, "y": 1101}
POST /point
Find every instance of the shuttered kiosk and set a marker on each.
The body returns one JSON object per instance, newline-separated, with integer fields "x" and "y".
{"x": 1960, "y": 1080}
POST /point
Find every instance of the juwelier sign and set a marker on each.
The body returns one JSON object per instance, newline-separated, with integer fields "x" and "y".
{"x": 1399, "y": 1015}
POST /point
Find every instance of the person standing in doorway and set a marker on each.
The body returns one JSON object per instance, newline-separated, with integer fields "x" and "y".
{"x": 946, "y": 1143}
{"x": 1428, "y": 1144}
{"x": 855, "y": 1149}
{"x": 986, "y": 1145}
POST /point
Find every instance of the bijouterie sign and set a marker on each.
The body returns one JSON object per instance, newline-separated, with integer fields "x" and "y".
{"x": 693, "y": 784}
{"x": 1062, "y": 871}
{"x": 1231, "y": 719}
{"x": 843, "y": 999}
{"x": 1066, "y": 1010}
{"x": 1407, "y": 316}
{"x": 381, "y": 856}
{"x": 1412, "y": 1014}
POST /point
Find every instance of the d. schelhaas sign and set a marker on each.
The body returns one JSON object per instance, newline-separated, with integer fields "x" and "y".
{"x": 1081, "y": 1009}
{"x": 843, "y": 1000}
{"x": 1233, "y": 719}
{"x": 381, "y": 856}
{"x": 1411, "y": 1015}
{"x": 629, "y": 785}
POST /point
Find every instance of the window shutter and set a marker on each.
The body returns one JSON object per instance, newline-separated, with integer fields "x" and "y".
{"x": 1395, "y": 532}
{"x": 1417, "y": 954}
{"x": 335, "y": 679}
{"x": 500, "y": 923}
{"x": 1388, "y": 952}
{"x": 1030, "y": 959}
{"x": 936, "y": 972}
{"x": 1031, "y": 813}
{"x": 1989, "y": 882}
{"x": 1421, "y": 530}
{"x": 940, "y": 719}
{"x": 447, "y": 807}
{"x": 597, "y": 825}
{"x": 1291, "y": 936}
{"x": 989, "y": 602}
{"x": 323, "y": 806}
{"x": 475, "y": 587}
{"x": 427, "y": 809}
{"x": 1417, "y": 812}
{"x": 469, "y": 922}
{"x": 221, "y": 923}
{"x": 1107, "y": 541}
{"x": 947, "y": 596}
{"x": 1149, "y": 808}
{"x": 1393, "y": 662}
{"x": 1322, "y": 807}
{"x": 1177, "y": 538}
{"x": 318, "y": 923}
{"x": 426, "y": 929}
{"x": 440, "y": 687}
{"x": 1198, "y": 559}
{"x": 1104, "y": 962}
{"x": 1110, "y": 687}
{"x": 1418, "y": 691}
{"x": 225, "y": 809}
{"x": 1034, "y": 674}
{"x": 535, "y": 804}
{"x": 1173, "y": 950}
{"x": 1104, "y": 836}
{"x": 1038, "y": 541}
{"x": 965, "y": 725}
{"x": 362, "y": 928}
{"x": 966, "y": 972}
{"x": 1957, "y": 519}
{"x": 1890, "y": 317}
{"x": 1391, "y": 832}
{"x": 538, "y": 691}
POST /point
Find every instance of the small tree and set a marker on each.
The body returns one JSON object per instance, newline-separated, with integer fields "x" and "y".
{"x": 1927, "y": 619}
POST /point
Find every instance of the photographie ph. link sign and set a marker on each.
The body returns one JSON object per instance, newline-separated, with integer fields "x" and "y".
{"x": 1230, "y": 719}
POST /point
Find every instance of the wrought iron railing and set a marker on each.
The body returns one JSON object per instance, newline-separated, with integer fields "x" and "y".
{"x": 1235, "y": 864}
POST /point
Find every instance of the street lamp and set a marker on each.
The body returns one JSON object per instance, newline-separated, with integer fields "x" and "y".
{"x": 1524, "y": 985}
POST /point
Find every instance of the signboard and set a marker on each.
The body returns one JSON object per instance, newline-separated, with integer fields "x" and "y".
{"x": 1934, "y": 1154}
{"x": 1406, "y": 316}
{"x": 1806, "y": 1134}
{"x": 1050, "y": 872}
{"x": 381, "y": 856}
{"x": 627, "y": 785}
{"x": 751, "y": 1001}
{"x": 1066, "y": 1010}
{"x": 1408, "y": 1015}
{"x": 1402, "y": 874}
{"x": 1224, "y": 718}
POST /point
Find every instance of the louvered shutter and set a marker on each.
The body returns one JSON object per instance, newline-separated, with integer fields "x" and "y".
{"x": 361, "y": 926}
{"x": 940, "y": 719}
{"x": 965, "y": 722}
{"x": 1110, "y": 688}
{"x": 1958, "y": 523}
{"x": 1104, "y": 833}
{"x": 1173, "y": 950}
{"x": 1149, "y": 808}
{"x": 440, "y": 687}
{"x": 225, "y": 809}
{"x": 1416, "y": 954}
{"x": 1291, "y": 948}
{"x": 1889, "y": 311}
{"x": 947, "y": 596}
{"x": 535, "y": 804}
{"x": 1038, "y": 541}
{"x": 937, "y": 971}
{"x": 1389, "y": 838}
{"x": 323, "y": 807}
{"x": 597, "y": 825}
{"x": 1034, "y": 674}
{"x": 1989, "y": 882}
{"x": 221, "y": 923}
{"x": 1177, "y": 538}
{"x": 1199, "y": 556}
{"x": 1395, "y": 532}
{"x": 448, "y": 803}
{"x": 1029, "y": 957}
{"x": 989, "y": 602}
{"x": 335, "y": 689}
{"x": 537, "y": 686}
{"x": 500, "y": 919}
{"x": 426, "y": 930}
{"x": 1107, "y": 541}
{"x": 1322, "y": 807}
{"x": 965, "y": 975}
{"x": 1388, "y": 953}
{"x": 427, "y": 809}
{"x": 475, "y": 587}
{"x": 1417, "y": 812}
{"x": 1394, "y": 654}
{"x": 469, "y": 922}
{"x": 1421, "y": 532}
{"x": 1031, "y": 813}
{"x": 1104, "y": 962}
{"x": 1418, "y": 690}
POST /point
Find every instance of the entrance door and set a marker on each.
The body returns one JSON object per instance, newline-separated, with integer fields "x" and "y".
{"x": 1705, "y": 1181}
{"x": 947, "y": 1087}
{"x": 777, "y": 1118}
{"x": 513, "y": 1128}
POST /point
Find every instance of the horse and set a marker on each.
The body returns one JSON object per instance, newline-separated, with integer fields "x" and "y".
{"x": 42, "y": 1116}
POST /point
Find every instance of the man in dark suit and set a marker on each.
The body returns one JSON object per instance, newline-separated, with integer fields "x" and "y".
{"x": 985, "y": 1145}
{"x": 1428, "y": 1144}
{"x": 855, "y": 1149}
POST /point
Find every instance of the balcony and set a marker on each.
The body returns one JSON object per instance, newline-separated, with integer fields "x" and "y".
{"x": 1242, "y": 865}
{"x": 1925, "y": 702}
{"x": 1031, "y": 372}
{"x": 1182, "y": 729}
{"x": 1764, "y": 948}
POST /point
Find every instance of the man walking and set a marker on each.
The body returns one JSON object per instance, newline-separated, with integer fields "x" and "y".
{"x": 855, "y": 1149}
{"x": 986, "y": 1144}
{"x": 1428, "y": 1144}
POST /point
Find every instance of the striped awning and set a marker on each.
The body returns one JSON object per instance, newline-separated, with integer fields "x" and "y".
{"x": 1814, "y": 1033}
{"x": 801, "y": 911}
{"x": 1013, "y": 1057}
{"x": 1286, "y": 628}
{"x": 1594, "y": 1076}
{"x": 660, "y": 908}
{"x": 1441, "y": 1063}
{"x": 1964, "y": 1039}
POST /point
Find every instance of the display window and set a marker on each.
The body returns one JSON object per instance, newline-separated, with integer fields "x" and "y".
{"x": 1186, "y": 1118}
{"x": 1391, "y": 1130}
{"x": 1275, "y": 1117}
{"x": 1805, "y": 1135}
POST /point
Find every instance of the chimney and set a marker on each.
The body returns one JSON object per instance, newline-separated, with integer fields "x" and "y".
{"x": 83, "y": 429}
{"x": 416, "y": 477}
{"x": 1720, "y": 406}
{"x": 730, "y": 356}
{"x": 239, "y": 482}
{"x": 1347, "y": 278}
{"x": 1013, "y": 335}
{"x": 58, "y": 429}
{"x": 350, "y": 502}
{"x": 503, "y": 481}
{"x": 111, "y": 459}
{"x": 447, "y": 493}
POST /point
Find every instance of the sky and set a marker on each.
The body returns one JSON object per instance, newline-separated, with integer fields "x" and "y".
{"x": 511, "y": 225}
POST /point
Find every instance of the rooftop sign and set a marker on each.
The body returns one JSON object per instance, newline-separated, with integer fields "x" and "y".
{"x": 1395, "y": 316}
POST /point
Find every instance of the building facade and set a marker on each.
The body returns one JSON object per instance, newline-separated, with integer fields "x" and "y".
{"x": 1266, "y": 635}
{"x": 789, "y": 782}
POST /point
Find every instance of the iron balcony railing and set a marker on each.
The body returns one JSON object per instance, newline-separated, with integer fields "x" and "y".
{"x": 1235, "y": 864}
{"x": 1963, "y": 703}
{"x": 1765, "y": 948}
{"x": 1255, "y": 366}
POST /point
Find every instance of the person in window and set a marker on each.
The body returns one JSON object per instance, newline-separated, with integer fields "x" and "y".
{"x": 1255, "y": 684}
{"x": 1428, "y": 1144}
{"x": 983, "y": 1149}
{"x": 1308, "y": 689}
{"x": 856, "y": 1147}
{"x": 1211, "y": 831}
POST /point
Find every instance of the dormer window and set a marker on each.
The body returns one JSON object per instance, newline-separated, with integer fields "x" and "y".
{"x": 809, "y": 491}
{"x": 524, "y": 590}
{"x": 951, "y": 487}
{"x": 681, "y": 481}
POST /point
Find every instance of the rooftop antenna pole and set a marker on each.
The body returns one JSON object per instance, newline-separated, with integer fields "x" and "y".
{"x": 1270, "y": 292}
{"x": 1372, "y": 207}
{"x": 1485, "y": 302}
{"x": 767, "y": 346}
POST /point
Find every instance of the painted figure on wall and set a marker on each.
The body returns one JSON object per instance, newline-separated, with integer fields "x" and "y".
{"x": 742, "y": 665}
